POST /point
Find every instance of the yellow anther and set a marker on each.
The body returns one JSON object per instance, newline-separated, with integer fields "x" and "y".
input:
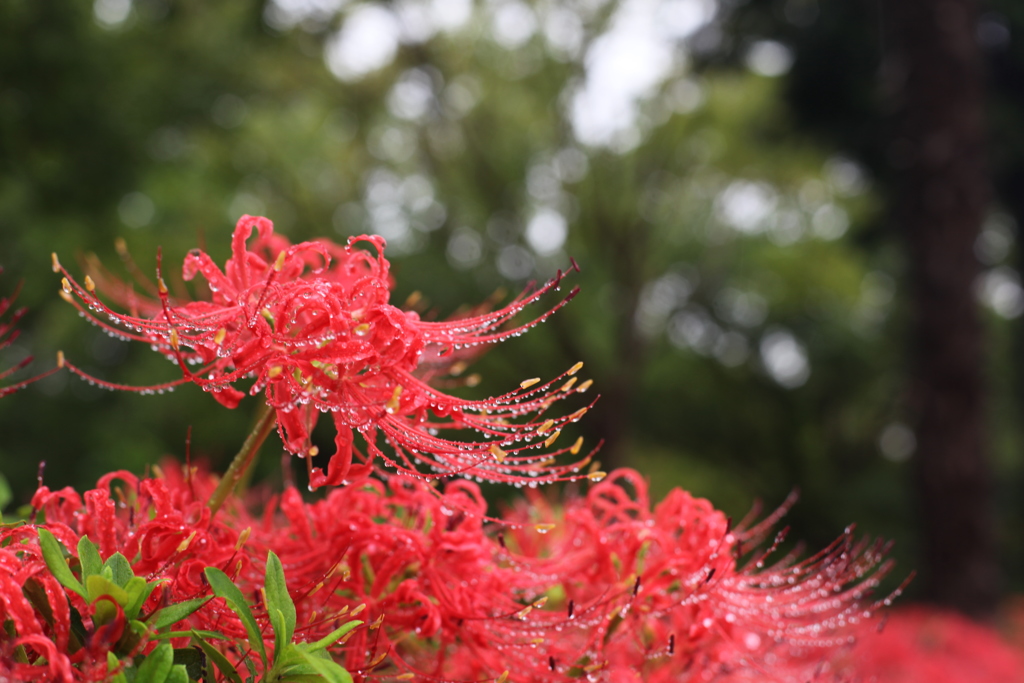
{"x": 279, "y": 262}
{"x": 55, "y": 262}
{"x": 316, "y": 589}
{"x": 502, "y": 678}
{"x": 393, "y": 405}
{"x": 362, "y": 329}
{"x": 537, "y": 641}
{"x": 551, "y": 439}
{"x": 577, "y": 446}
{"x": 527, "y": 383}
{"x": 548, "y": 424}
{"x": 60, "y": 359}
{"x": 457, "y": 368}
{"x": 407, "y": 676}
{"x": 243, "y": 537}
{"x": 175, "y": 339}
{"x": 274, "y": 371}
{"x": 586, "y": 385}
{"x": 89, "y": 284}
{"x": 313, "y": 451}
{"x": 377, "y": 622}
{"x": 120, "y": 246}
{"x": 574, "y": 369}
{"x": 219, "y": 336}
{"x": 597, "y": 476}
{"x": 543, "y": 528}
{"x": 413, "y": 299}
{"x": 359, "y": 609}
{"x": 161, "y": 286}
{"x": 498, "y": 454}
{"x": 65, "y": 285}
{"x": 183, "y": 546}
{"x": 67, "y": 297}
{"x": 578, "y": 414}
{"x": 568, "y": 385}
{"x": 523, "y": 613}
{"x": 473, "y": 380}
{"x": 540, "y": 603}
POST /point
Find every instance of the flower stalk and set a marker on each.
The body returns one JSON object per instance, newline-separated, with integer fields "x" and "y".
{"x": 243, "y": 460}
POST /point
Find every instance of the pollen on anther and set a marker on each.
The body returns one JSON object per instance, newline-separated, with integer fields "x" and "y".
{"x": 497, "y": 452}
{"x": 60, "y": 359}
{"x": 584, "y": 386}
{"x": 65, "y": 285}
{"x": 574, "y": 369}
{"x": 551, "y": 439}
{"x": 90, "y": 284}
{"x": 527, "y": 383}
{"x": 548, "y": 424}
{"x": 575, "y": 449}
{"x": 55, "y": 262}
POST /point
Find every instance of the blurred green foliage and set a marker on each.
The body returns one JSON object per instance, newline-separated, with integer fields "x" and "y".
{"x": 740, "y": 312}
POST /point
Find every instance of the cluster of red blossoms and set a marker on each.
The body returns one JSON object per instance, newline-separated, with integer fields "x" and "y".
{"x": 311, "y": 326}
{"x": 613, "y": 591}
{"x": 600, "y": 587}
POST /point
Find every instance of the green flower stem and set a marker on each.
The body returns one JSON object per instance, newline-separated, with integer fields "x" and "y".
{"x": 242, "y": 462}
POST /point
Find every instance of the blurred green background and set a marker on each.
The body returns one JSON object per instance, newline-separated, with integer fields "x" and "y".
{"x": 716, "y": 168}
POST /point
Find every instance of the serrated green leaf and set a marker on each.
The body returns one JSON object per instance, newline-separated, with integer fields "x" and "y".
{"x": 328, "y": 668}
{"x": 193, "y": 659}
{"x": 279, "y": 600}
{"x": 138, "y": 590}
{"x": 223, "y": 587}
{"x": 178, "y": 674}
{"x": 157, "y": 665}
{"x": 58, "y": 566}
{"x": 332, "y": 637}
{"x": 218, "y": 659}
{"x": 172, "y": 614}
{"x": 89, "y": 557}
{"x": 121, "y": 569}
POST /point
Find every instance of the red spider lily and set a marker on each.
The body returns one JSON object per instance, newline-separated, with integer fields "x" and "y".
{"x": 615, "y": 591}
{"x": 8, "y": 333}
{"x": 928, "y": 645}
{"x": 311, "y": 325}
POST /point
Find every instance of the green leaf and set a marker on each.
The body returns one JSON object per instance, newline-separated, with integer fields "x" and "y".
{"x": 89, "y": 557}
{"x": 96, "y": 586}
{"x": 332, "y": 637}
{"x": 218, "y": 659}
{"x": 157, "y": 666}
{"x": 172, "y": 614}
{"x": 114, "y": 664}
{"x": 178, "y": 674}
{"x": 121, "y": 569}
{"x": 138, "y": 590}
{"x": 328, "y": 668}
{"x": 278, "y": 600}
{"x": 193, "y": 659}
{"x": 224, "y": 588}
{"x": 58, "y": 566}
{"x": 278, "y": 624}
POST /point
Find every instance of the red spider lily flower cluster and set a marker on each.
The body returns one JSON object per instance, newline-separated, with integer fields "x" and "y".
{"x": 604, "y": 589}
{"x": 928, "y": 645}
{"x": 8, "y": 333}
{"x": 312, "y": 326}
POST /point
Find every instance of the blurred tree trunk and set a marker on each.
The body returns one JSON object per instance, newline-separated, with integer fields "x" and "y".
{"x": 934, "y": 76}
